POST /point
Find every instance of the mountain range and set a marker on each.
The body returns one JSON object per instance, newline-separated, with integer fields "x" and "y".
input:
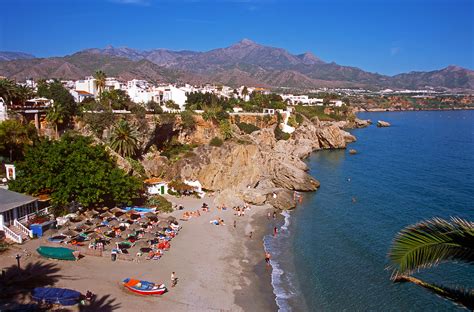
{"x": 244, "y": 63}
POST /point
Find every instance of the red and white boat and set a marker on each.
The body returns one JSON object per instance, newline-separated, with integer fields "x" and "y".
{"x": 143, "y": 287}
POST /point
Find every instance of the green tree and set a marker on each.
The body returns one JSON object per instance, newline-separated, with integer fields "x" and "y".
{"x": 123, "y": 139}
{"x": 187, "y": 119}
{"x": 100, "y": 78}
{"x": 429, "y": 243}
{"x": 115, "y": 99}
{"x": 74, "y": 169}
{"x": 225, "y": 129}
{"x": 13, "y": 93}
{"x": 64, "y": 107}
{"x": 14, "y": 137}
{"x": 171, "y": 105}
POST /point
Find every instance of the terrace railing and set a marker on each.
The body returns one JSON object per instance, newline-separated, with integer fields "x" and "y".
{"x": 12, "y": 235}
{"x": 23, "y": 228}
{"x": 25, "y": 218}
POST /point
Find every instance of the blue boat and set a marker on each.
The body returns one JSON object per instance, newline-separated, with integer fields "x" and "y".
{"x": 62, "y": 296}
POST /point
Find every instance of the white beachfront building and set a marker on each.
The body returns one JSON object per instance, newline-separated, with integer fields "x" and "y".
{"x": 88, "y": 85}
{"x": 156, "y": 186}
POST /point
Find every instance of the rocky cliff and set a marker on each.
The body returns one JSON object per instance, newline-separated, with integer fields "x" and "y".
{"x": 257, "y": 168}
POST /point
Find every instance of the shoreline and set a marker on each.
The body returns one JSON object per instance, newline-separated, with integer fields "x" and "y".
{"x": 387, "y": 110}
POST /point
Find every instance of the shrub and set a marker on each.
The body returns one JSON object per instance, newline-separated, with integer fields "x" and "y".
{"x": 280, "y": 135}
{"x": 225, "y": 129}
{"x": 187, "y": 119}
{"x": 160, "y": 202}
{"x": 216, "y": 142}
{"x": 292, "y": 121}
{"x": 247, "y": 128}
{"x": 299, "y": 118}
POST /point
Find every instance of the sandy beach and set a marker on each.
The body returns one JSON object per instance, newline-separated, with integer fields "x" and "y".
{"x": 219, "y": 267}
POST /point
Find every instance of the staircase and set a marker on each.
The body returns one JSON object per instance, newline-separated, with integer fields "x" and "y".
{"x": 15, "y": 229}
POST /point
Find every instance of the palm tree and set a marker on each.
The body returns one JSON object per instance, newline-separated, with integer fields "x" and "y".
{"x": 123, "y": 139}
{"x": 100, "y": 78}
{"x": 8, "y": 90}
{"x": 429, "y": 243}
{"x": 56, "y": 115}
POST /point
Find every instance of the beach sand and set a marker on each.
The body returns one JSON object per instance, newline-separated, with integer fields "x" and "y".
{"x": 219, "y": 268}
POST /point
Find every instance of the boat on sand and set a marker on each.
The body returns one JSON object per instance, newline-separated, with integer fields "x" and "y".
{"x": 143, "y": 287}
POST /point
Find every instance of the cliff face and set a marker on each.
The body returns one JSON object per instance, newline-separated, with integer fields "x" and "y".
{"x": 260, "y": 169}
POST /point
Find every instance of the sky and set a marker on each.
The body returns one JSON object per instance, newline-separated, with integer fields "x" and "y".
{"x": 384, "y": 36}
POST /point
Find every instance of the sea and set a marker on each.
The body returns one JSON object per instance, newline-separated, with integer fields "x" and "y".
{"x": 331, "y": 252}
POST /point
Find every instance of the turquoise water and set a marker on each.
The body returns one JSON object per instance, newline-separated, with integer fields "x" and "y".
{"x": 332, "y": 256}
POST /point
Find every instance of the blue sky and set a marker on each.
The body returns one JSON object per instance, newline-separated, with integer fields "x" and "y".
{"x": 385, "y": 36}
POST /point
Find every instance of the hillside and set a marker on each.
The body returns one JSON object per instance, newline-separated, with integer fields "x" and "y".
{"x": 244, "y": 63}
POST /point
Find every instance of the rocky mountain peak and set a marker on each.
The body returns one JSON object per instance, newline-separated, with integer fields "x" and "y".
{"x": 245, "y": 42}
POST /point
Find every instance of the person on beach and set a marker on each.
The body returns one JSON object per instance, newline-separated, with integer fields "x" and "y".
{"x": 174, "y": 279}
{"x": 251, "y": 233}
{"x": 274, "y": 215}
{"x": 267, "y": 258}
{"x": 275, "y": 231}
{"x": 269, "y": 215}
{"x": 235, "y": 224}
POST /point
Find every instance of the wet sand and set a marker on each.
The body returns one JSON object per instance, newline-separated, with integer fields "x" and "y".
{"x": 219, "y": 268}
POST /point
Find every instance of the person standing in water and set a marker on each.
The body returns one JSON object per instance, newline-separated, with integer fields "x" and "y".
{"x": 267, "y": 258}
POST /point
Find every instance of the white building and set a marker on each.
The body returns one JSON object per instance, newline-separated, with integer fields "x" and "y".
{"x": 336, "y": 103}
{"x": 112, "y": 83}
{"x": 171, "y": 93}
{"x": 80, "y": 95}
{"x": 87, "y": 85}
{"x": 3, "y": 110}
{"x": 139, "y": 94}
{"x": 301, "y": 99}
{"x": 156, "y": 186}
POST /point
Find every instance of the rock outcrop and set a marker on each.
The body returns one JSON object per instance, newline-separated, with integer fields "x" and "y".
{"x": 382, "y": 124}
{"x": 256, "y": 168}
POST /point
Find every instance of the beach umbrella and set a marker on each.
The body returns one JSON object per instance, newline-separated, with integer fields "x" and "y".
{"x": 89, "y": 214}
{"x": 114, "y": 223}
{"x": 115, "y": 210}
{"x": 135, "y": 226}
{"x": 82, "y": 227}
{"x": 96, "y": 221}
{"x": 149, "y": 236}
{"x": 94, "y": 235}
{"x": 70, "y": 233}
{"x": 127, "y": 232}
{"x": 145, "y": 249}
{"x": 151, "y": 215}
{"x": 107, "y": 215}
{"x": 132, "y": 211}
{"x": 171, "y": 219}
{"x": 143, "y": 220}
{"x": 162, "y": 224}
{"x": 141, "y": 243}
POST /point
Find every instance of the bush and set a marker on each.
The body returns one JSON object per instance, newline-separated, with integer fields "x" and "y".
{"x": 225, "y": 129}
{"x": 216, "y": 142}
{"x": 173, "y": 150}
{"x": 292, "y": 121}
{"x": 247, "y": 128}
{"x": 160, "y": 202}
{"x": 280, "y": 135}
{"x": 299, "y": 118}
{"x": 187, "y": 119}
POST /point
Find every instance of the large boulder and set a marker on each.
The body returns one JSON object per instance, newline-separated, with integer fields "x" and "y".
{"x": 156, "y": 166}
{"x": 282, "y": 199}
{"x": 331, "y": 137}
{"x": 362, "y": 123}
{"x": 229, "y": 198}
{"x": 254, "y": 196}
{"x": 382, "y": 123}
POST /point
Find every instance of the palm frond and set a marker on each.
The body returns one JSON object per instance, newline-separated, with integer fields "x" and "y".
{"x": 431, "y": 242}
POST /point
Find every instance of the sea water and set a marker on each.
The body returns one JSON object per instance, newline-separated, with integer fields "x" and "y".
{"x": 331, "y": 253}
